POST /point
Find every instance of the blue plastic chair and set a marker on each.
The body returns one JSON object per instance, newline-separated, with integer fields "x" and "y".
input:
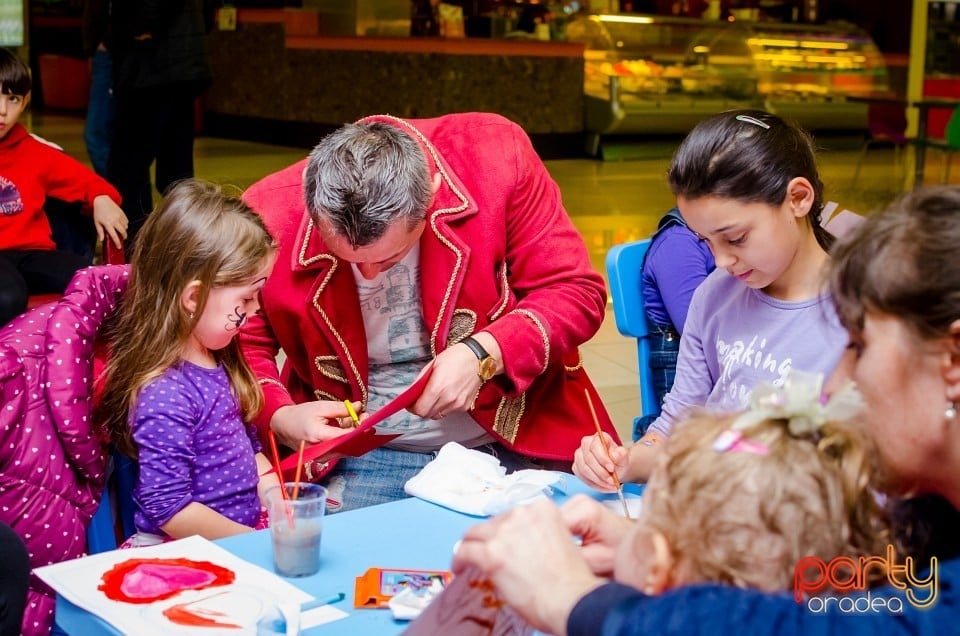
{"x": 625, "y": 273}
{"x": 115, "y": 513}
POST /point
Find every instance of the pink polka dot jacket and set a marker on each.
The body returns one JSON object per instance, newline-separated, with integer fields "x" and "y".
{"x": 51, "y": 463}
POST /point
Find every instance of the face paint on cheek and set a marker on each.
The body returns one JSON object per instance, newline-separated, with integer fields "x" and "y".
{"x": 235, "y": 320}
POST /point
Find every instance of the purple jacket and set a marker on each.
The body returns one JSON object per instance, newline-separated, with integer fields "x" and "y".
{"x": 51, "y": 462}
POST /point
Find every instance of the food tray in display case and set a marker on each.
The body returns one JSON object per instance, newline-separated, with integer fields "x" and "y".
{"x": 653, "y": 74}
{"x": 806, "y": 72}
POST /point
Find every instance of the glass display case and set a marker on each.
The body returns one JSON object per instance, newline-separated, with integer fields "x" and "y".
{"x": 652, "y": 74}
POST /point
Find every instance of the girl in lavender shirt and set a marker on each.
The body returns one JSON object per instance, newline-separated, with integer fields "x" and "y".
{"x": 178, "y": 395}
{"x": 747, "y": 184}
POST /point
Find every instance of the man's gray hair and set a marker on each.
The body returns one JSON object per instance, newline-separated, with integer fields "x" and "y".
{"x": 362, "y": 178}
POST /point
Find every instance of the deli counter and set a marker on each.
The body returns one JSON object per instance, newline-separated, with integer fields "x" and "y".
{"x": 653, "y": 74}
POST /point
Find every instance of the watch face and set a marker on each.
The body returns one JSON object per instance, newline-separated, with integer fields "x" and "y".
{"x": 488, "y": 368}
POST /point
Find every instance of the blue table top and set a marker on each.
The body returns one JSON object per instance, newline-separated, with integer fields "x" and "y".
{"x": 406, "y": 534}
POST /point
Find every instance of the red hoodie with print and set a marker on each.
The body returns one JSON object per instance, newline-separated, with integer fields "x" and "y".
{"x": 30, "y": 171}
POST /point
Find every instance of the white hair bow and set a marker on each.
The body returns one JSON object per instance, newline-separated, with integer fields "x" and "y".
{"x": 800, "y": 401}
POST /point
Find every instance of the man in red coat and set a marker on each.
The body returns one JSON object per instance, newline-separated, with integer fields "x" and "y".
{"x": 439, "y": 240}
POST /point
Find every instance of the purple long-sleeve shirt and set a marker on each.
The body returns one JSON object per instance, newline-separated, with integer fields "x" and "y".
{"x": 193, "y": 445}
{"x": 736, "y": 337}
{"x": 675, "y": 265}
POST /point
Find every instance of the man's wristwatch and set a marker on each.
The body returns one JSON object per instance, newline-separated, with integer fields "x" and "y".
{"x": 487, "y": 367}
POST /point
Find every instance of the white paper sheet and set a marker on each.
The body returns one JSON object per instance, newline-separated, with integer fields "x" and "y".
{"x": 253, "y": 594}
{"x": 320, "y": 616}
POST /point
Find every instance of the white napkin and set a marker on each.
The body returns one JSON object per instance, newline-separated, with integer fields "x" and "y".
{"x": 475, "y": 483}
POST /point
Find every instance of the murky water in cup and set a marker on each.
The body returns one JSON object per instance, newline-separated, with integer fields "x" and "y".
{"x": 296, "y": 526}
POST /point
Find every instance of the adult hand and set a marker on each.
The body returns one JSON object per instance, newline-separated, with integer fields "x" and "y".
{"x": 311, "y": 421}
{"x": 532, "y": 560}
{"x": 601, "y": 532}
{"x": 109, "y": 219}
{"x": 594, "y": 465}
{"x": 455, "y": 382}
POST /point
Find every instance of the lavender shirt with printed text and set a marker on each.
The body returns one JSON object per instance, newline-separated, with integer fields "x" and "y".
{"x": 736, "y": 337}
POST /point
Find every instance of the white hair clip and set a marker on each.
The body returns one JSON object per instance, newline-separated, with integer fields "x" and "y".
{"x": 753, "y": 120}
{"x": 800, "y": 402}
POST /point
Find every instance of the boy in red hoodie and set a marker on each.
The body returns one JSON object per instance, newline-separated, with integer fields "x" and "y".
{"x": 31, "y": 170}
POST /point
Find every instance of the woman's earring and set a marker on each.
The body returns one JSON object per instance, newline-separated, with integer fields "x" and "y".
{"x": 950, "y": 413}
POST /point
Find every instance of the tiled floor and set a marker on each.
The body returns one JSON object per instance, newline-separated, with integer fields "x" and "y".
{"x": 609, "y": 201}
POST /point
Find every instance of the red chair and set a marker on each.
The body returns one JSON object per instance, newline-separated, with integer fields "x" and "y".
{"x": 886, "y": 123}
{"x": 110, "y": 254}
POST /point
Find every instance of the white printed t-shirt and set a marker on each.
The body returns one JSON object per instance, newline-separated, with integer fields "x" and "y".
{"x": 398, "y": 346}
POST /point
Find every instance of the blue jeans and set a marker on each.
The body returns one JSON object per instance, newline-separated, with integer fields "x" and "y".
{"x": 378, "y": 476}
{"x": 664, "y": 348}
{"x": 98, "y": 128}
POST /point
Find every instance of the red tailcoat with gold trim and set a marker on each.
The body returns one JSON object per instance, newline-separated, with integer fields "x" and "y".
{"x": 499, "y": 254}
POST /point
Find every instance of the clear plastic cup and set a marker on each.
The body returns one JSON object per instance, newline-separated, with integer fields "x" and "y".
{"x": 296, "y": 526}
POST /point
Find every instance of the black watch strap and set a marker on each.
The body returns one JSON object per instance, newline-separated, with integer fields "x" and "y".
{"x": 477, "y": 349}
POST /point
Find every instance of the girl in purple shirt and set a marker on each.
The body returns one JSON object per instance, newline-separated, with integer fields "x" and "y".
{"x": 747, "y": 184}
{"x": 178, "y": 394}
{"x": 675, "y": 265}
